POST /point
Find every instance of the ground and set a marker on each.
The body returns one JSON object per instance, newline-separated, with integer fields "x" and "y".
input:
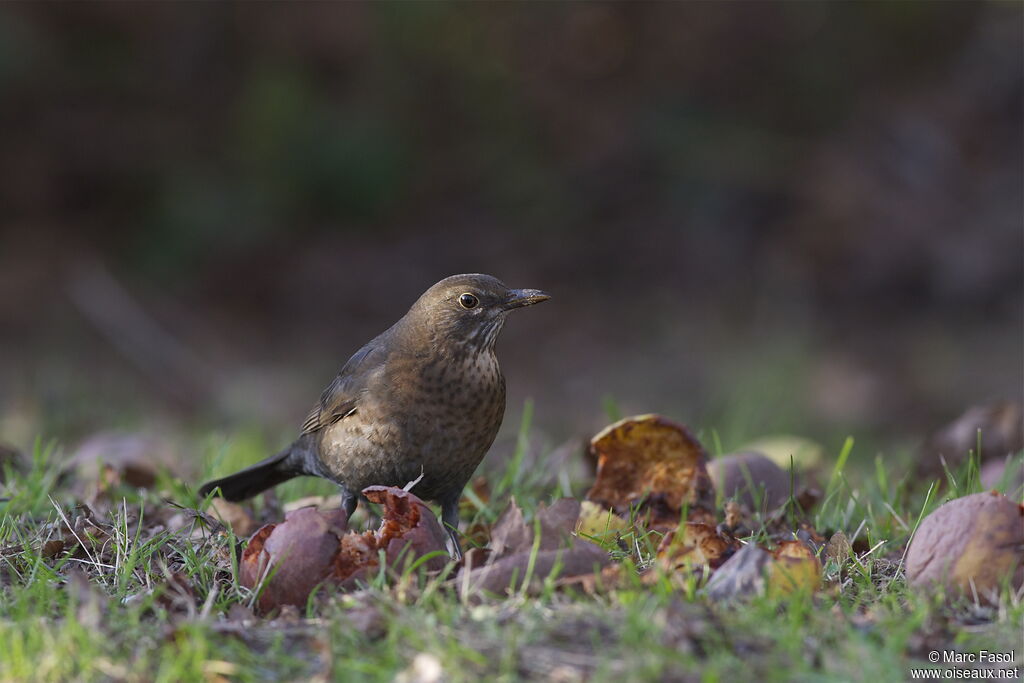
{"x": 103, "y": 580}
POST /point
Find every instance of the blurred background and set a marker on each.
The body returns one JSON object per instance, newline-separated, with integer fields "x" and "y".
{"x": 753, "y": 217}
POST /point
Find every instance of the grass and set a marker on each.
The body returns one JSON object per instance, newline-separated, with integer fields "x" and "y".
{"x": 152, "y": 594}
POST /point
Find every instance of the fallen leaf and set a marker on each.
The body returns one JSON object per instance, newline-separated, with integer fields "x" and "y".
{"x": 999, "y": 427}
{"x": 233, "y": 515}
{"x": 287, "y": 561}
{"x": 752, "y": 479}
{"x": 510, "y": 533}
{"x": 110, "y": 458}
{"x": 611, "y": 577}
{"x": 838, "y": 549}
{"x": 598, "y": 522}
{"x": 409, "y": 529}
{"x": 736, "y": 518}
{"x": 654, "y": 465}
{"x": 783, "y": 449}
{"x": 969, "y": 545}
{"x": 511, "y": 573}
{"x": 52, "y": 548}
{"x": 557, "y": 522}
{"x": 695, "y": 546}
{"x": 1005, "y": 475}
{"x": 752, "y": 570}
{"x": 742, "y": 575}
{"x": 794, "y": 567}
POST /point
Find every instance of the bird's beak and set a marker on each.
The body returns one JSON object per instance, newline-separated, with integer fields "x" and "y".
{"x": 517, "y": 298}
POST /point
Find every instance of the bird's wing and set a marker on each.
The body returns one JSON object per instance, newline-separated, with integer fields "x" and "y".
{"x": 341, "y": 398}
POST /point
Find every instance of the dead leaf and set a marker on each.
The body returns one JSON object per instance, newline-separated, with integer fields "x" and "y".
{"x": 557, "y": 522}
{"x": 838, "y": 549}
{"x": 742, "y": 575}
{"x": 790, "y": 568}
{"x": 52, "y": 548}
{"x": 695, "y": 546}
{"x": 969, "y": 545}
{"x": 1005, "y": 475}
{"x": 783, "y": 449}
{"x": 1001, "y": 427}
{"x": 289, "y": 560}
{"x": 233, "y": 515}
{"x": 794, "y": 568}
{"x": 752, "y": 479}
{"x": 512, "y": 572}
{"x": 510, "y": 533}
{"x": 409, "y": 529}
{"x": 598, "y": 522}
{"x": 609, "y": 578}
{"x": 286, "y": 561}
{"x": 738, "y": 520}
{"x": 655, "y": 465}
{"x": 110, "y": 458}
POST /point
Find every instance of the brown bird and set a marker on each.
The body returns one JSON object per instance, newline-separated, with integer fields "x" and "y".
{"x": 426, "y": 397}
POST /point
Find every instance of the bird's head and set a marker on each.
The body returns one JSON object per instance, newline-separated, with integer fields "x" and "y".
{"x": 471, "y": 309}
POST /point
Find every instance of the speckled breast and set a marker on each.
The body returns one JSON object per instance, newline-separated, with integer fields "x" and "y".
{"x": 438, "y": 421}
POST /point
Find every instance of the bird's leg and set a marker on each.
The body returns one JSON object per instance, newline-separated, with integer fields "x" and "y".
{"x": 349, "y": 501}
{"x": 450, "y": 520}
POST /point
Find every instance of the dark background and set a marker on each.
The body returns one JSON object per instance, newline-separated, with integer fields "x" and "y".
{"x": 753, "y": 218}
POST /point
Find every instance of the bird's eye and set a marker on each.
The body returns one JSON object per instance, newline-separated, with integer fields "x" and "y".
{"x": 467, "y": 300}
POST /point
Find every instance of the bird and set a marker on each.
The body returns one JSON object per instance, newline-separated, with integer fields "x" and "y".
{"x": 421, "y": 401}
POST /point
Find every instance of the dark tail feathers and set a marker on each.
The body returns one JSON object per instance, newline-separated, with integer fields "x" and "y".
{"x": 293, "y": 461}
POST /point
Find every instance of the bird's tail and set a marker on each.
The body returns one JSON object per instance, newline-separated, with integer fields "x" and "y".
{"x": 294, "y": 461}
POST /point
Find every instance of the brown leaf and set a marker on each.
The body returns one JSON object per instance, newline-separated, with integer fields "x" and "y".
{"x": 838, "y": 549}
{"x": 970, "y": 544}
{"x": 110, "y": 458}
{"x": 1005, "y": 475}
{"x": 653, "y": 464}
{"x": 794, "y": 567}
{"x": 791, "y": 567}
{"x": 293, "y": 557}
{"x": 232, "y": 515}
{"x": 1001, "y": 427}
{"x": 510, "y": 533}
{"x": 510, "y": 573}
{"x": 596, "y": 583}
{"x": 313, "y": 546}
{"x": 598, "y": 522}
{"x": 694, "y": 546}
{"x": 783, "y": 449}
{"x": 741, "y": 576}
{"x": 557, "y": 523}
{"x": 52, "y": 548}
{"x": 409, "y": 529}
{"x": 752, "y": 479}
